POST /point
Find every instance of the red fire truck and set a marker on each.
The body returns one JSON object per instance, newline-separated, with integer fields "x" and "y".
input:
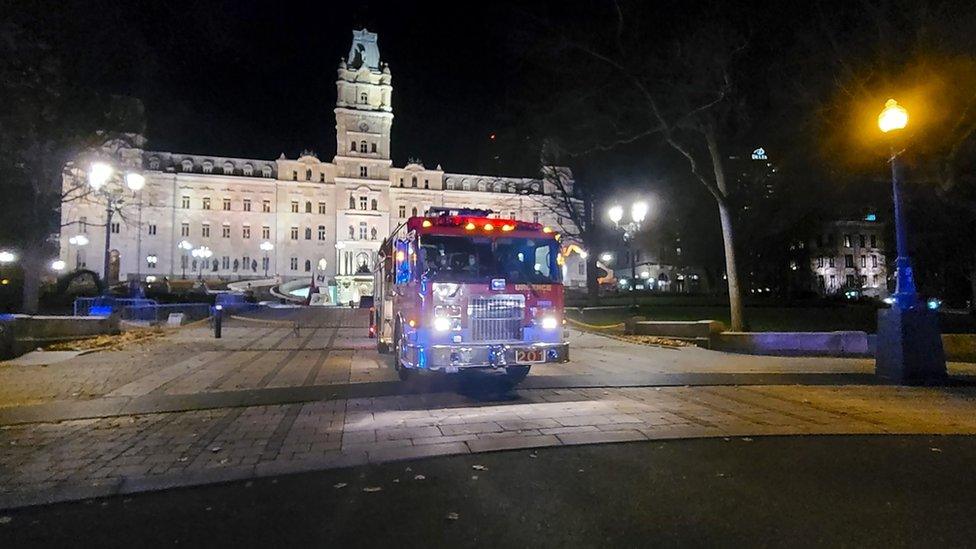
{"x": 457, "y": 289}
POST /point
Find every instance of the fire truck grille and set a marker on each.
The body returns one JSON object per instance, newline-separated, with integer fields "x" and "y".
{"x": 496, "y": 318}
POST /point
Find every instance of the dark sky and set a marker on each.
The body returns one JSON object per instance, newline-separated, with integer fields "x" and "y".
{"x": 255, "y": 79}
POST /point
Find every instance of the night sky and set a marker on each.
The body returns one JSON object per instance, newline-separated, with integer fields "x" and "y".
{"x": 255, "y": 79}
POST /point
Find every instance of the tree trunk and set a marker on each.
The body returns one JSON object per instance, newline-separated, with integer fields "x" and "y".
{"x": 728, "y": 235}
{"x": 33, "y": 271}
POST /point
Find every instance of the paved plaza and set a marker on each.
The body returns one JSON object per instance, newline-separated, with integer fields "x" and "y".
{"x": 270, "y": 399}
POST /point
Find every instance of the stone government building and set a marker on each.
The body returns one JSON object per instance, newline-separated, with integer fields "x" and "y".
{"x": 308, "y": 209}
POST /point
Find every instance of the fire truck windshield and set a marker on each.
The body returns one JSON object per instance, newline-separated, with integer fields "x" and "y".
{"x": 477, "y": 259}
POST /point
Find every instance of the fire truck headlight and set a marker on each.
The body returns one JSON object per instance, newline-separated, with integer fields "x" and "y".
{"x": 550, "y": 323}
{"x": 442, "y": 324}
{"x": 445, "y": 290}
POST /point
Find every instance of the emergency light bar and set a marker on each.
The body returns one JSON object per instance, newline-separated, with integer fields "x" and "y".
{"x": 473, "y": 223}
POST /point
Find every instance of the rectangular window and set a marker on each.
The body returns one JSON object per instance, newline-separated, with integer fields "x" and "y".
{"x": 206, "y": 203}
{"x": 363, "y": 172}
{"x": 847, "y": 241}
{"x": 116, "y": 227}
{"x": 185, "y": 204}
{"x": 820, "y": 280}
{"x": 266, "y": 206}
{"x": 83, "y": 223}
{"x": 833, "y": 281}
{"x": 582, "y": 268}
{"x": 850, "y": 281}
{"x": 226, "y": 204}
{"x": 362, "y": 202}
{"x": 294, "y": 206}
{"x": 225, "y": 262}
{"x": 265, "y": 232}
{"x": 403, "y": 211}
{"x": 152, "y": 229}
{"x": 185, "y": 229}
{"x": 820, "y": 261}
{"x": 321, "y": 232}
{"x": 362, "y": 230}
{"x": 874, "y": 261}
{"x": 246, "y": 231}
{"x": 294, "y": 176}
{"x": 874, "y": 241}
{"x": 860, "y": 240}
{"x": 293, "y": 263}
{"x": 322, "y": 177}
{"x": 535, "y": 217}
{"x": 225, "y": 231}
{"x": 294, "y": 233}
{"x": 830, "y": 262}
{"x": 874, "y": 280}
{"x": 205, "y": 230}
{"x": 849, "y": 261}
{"x": 247, "y": 204}
{"x": 322, "y": 208}
{"x": 373, "y": 148}
{"x": 864, "y": 261}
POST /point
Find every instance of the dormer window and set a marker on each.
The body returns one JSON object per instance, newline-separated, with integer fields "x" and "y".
{"x": 207, "y": 166}
{"x": 363, "y": 97}
{"x": 154, "y": 163}
{"x": 186, "y": 165}
{"x": 248, "y": 170}
{"x": 308, "y": 175}
{"x": 413, "y": 183}
{"x": 266, "y": 171}
{"x": 228, "y": 168}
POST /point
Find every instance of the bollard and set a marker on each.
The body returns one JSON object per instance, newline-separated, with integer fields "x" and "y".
{"x": 218, "y": 318}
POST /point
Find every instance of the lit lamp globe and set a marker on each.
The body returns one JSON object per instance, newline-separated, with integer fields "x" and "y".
{"x": 185, "y": 245}
{"x": 99, "y": 174}
{"x": 135, "y": 181}
{"x": 893, "y": 117}
{"x": 267, "y": 246}
{"x": 638, "y": 211}
{"x": 7, "y": 257}
{"x": 606, "y": 257}
{"x": 57, "y": 265}
{"x": 616, "y": 213}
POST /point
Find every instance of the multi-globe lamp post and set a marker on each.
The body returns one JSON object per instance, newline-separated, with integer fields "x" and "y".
{"x": 100, "y": 177}
{"x": 909, "y": 344}
{"x": 638, "y": 212}
{"x": 202, "y": 253}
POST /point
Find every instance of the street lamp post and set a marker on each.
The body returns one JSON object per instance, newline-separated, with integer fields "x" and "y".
{"x": 186, "y": 247}
{"x": 266, "y": 247}
{"x": 909, "y": 346}
{"x": 203, "y": 253}
{"x": 100, "y": 174}
{"x": 638, "y": 212}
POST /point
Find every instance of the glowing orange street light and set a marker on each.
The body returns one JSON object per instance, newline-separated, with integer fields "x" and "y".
{"x": 893, "y": 117}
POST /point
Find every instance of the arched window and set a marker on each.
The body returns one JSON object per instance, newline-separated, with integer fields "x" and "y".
{"x": 321, "y": 232}
{"x": 363, "y": 97}
{"x": 362, "y": 146}
{"x": 308, "y": 233}
{"x": 228, "y": 168}
{"x": 308, "y": 266}
{"x": 413, "y": 212}
{"x": 413, "y": 183}
{"x": 266, "y": 170}
{"x": 308, "y": 175}
{"x": 466, "y": 185}
{"x": 352, "y": 146}
{"x": 352, "y": 232}
{"x": 426, "y": 183}
{"x": 481, "y": 186}
{"x": 362, "y": 203}
{"x": 372, "y": 233}
{"x": 497, "y": 187}
{"x": 308, "y": 207}
{"x": 352, "y": 202}
{"x": 373, "y": 147}
{"x": 207, "y": 166}
{"x": 186, "y": 165}
{"x": 154, "y": 163}
{"x": 373, "y": 204}
{"x": 248, "y": 170}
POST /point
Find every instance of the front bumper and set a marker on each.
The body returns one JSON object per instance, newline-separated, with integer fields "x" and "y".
{"x": 451, "y": 358}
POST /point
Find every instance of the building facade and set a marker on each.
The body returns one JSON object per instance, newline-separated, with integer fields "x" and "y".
{"x": 848, "y": 256}
{"x": 306, "y": 212}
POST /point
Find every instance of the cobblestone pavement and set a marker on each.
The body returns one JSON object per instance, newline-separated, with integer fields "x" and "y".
{"x": 210, "y": 430}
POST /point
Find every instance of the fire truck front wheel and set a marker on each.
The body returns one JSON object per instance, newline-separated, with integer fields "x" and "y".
{"x": 515, "y": 374}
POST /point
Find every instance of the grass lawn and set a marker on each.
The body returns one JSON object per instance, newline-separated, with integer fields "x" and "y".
{"x": 768, "y": 318}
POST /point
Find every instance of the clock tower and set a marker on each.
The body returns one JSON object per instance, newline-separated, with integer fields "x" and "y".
{"x": 364, "y": 113}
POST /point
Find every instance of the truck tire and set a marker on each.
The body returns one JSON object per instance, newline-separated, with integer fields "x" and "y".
{"x": 515, "y": 374}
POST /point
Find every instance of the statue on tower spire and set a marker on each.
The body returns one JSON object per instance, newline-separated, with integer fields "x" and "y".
{"x": 364, "y": 51}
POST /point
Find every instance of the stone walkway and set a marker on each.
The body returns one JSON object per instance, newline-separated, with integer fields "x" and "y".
{"x": 188, "y": 409}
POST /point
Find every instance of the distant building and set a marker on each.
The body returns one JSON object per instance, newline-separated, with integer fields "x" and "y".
{"x": 849, "y": 256}
{"x": 313, "y": 212}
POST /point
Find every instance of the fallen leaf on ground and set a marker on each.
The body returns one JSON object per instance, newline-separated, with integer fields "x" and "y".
{"x": 479, "y": 467}
{"x": 533, "y": 455}
{"x": 474, "y": 477}
{"x": 936, "y": 449}
{"x": 215, "y": 449}
{"x": 6, "y": 520}
{"x": 452, "y": 516}
{"x": 372, "y": 489}
{"x": 419, "y": 477}
{"x": 746, "y": 439}
{"x": 339, "y": 485}
{"x": 396, "y": 481}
